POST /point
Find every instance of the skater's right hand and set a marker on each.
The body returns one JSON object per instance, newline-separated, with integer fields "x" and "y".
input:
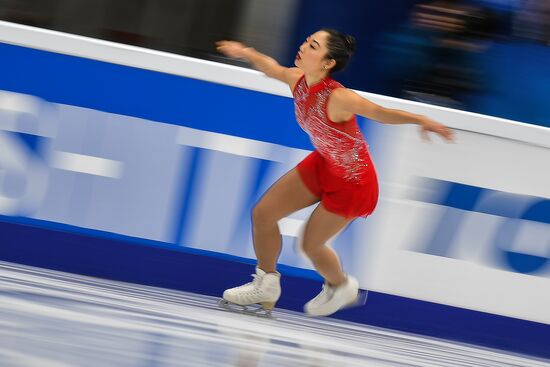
{"x": 232, "y": 49}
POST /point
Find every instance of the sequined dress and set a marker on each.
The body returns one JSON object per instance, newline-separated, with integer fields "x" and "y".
{"x": 348, "y": 180}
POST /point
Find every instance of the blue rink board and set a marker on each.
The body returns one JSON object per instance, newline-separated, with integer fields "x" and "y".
{"x": 157, "y": 264}
{"x": 151, "y": 95}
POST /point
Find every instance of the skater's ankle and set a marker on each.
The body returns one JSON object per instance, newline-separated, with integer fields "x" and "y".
{"x": 267, "y": 270}
{"x": 338, "y": 283}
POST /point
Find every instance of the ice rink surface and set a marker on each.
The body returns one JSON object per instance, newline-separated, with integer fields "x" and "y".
{"x": 51, "y": 318}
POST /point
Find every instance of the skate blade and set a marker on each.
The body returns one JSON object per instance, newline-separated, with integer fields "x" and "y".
{"x": 263, "y": 310}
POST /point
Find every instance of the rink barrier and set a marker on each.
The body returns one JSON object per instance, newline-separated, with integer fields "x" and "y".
{"x": 63, "y": 89}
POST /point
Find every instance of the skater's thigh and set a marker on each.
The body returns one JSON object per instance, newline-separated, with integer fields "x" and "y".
{"x": 284, "y": 197}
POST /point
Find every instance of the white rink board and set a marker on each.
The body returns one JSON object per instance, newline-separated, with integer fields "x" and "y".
{"x": 471, "y": 276}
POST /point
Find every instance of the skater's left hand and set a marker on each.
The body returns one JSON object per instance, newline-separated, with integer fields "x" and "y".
{"x": 427, "y": 125}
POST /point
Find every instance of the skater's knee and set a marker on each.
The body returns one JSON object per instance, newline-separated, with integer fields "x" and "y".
{"x": 311, "y": 249}
{"x": 263, "y": 215}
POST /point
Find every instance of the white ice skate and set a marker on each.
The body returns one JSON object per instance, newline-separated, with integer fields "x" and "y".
{"x": 257, "y": 297}
{"x": 332, "y": 299}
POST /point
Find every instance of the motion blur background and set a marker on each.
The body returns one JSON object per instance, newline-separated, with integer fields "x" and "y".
{"x": 142, "y": 165}
{"x": 485, "y": 56}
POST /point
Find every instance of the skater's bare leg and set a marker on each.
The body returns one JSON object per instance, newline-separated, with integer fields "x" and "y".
{"x": 322, "y": 226}
{"x": 287, "y": 195}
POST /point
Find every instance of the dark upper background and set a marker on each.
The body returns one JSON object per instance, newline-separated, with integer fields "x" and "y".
{"x": 486, "y": 56}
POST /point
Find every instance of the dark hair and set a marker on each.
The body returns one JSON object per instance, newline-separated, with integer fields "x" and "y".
{"x": 340, "y": 48}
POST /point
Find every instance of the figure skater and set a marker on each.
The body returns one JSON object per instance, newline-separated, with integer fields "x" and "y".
{"x": 339, "y": 174}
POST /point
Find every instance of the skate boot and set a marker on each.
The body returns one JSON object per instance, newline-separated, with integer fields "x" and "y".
{"x": 332, "y": 299}
{"x": 263, "y": 291}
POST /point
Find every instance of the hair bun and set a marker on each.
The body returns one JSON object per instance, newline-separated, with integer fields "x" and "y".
{"x": 340, "y": 48}
{"x": 350, "y": 43}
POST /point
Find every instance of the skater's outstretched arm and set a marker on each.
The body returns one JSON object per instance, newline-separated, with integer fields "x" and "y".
{"x": 345, "y": 102}
{"x": 260, "y": 61}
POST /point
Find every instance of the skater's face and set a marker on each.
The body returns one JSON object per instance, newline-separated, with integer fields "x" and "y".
{"x": 312, "y": 55}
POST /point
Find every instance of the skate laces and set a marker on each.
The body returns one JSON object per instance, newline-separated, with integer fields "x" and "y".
{"x": 254, "y": 283}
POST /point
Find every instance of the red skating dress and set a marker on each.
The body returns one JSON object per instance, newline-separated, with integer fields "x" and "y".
{"x": 340, "y": 170}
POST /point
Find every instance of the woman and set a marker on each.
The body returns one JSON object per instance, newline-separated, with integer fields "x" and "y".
{"x": 339, "y": 173}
